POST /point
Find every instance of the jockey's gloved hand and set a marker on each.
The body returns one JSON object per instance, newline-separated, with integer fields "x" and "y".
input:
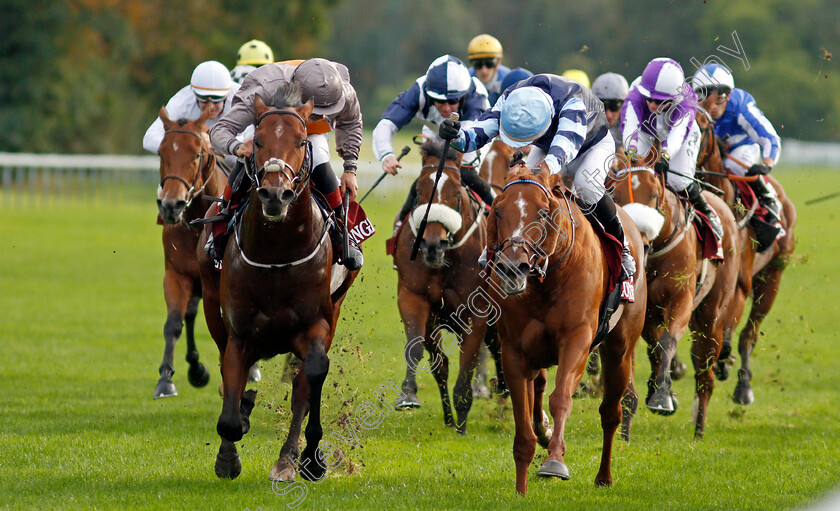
{"x": 448, "y": 130}
{"x": 518, "y": 158}
{"x": 661, "y": 166}
{"x": 759, "y": 169}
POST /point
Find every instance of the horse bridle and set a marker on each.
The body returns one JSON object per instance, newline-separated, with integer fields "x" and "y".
{"x": 636, "y": 170}
{"x": 297, "y": 180}
{"x": 451, "y": 235}
{"x": 537, "y": 262}
{"x": 192, "y": 192}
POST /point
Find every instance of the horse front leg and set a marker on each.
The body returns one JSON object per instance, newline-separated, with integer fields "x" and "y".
{"x": 233, "y": 421}
{"x": 463, "y": 391}
{"x": 197, "y": 373}
{"x": 316, "y": 366}
{"x": 414, "y": 310}
{"x": 542, "y": 424}
{"x": 571, "y": 363}
{"x": 177, "y": 291}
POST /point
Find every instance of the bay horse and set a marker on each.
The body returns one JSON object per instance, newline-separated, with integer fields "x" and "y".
{"x": 188, "y": 171}
{"x": 274, "y": 294}
{"x": 551, "y": 289}
{"x": 760, "y": 272}
{"x": 442, "y": 289}
{"x": 684, "y": 289}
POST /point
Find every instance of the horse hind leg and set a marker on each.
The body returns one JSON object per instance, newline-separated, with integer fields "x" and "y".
{"x": 765, "y": 288}
{"x": 629, "y": 404}
{"x": 494, "y": 345}
{"x": 197, "y": 373}
{"x": 542, "y": 424}
{"x": 440, "y": 370}
{"x": 617, "y": 362}
{"x": 660, "y": 398}
{"x": 285, "y": 469}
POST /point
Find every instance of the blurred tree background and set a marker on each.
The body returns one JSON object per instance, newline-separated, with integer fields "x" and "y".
{"x": 88, "y": 76}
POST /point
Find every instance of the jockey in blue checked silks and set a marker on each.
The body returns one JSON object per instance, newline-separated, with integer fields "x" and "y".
{"x": 568, "y": 131}
{"x": 661, "y": 106}
{"x": 754, "y": 146}
{"x": 445, "y": 88}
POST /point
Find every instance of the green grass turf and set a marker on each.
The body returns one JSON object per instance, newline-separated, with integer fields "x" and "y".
{"x": 81, "y": 320}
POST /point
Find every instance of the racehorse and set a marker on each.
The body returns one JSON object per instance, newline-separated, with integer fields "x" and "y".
{"x": 494, "y": 166}
{"x": 684, "y": 288}
{"x": 442, "y": 289}
{"x": 551, "y": 275}
{"x": 760, "y": 272}
{"x": 274, "y": 294}
{"x": 188, "y": 171}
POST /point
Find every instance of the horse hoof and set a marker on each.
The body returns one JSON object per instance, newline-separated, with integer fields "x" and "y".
{"x": 254, "y": 374}
{"x": 678, "y": 369}
{"x": 554, "y": 468}
{"x": 312, "y": 469}
{"x": 661, "y": 403}
{"x": 165, "y": 389}
{"x": 407, "y": 401}
{"x": 721, "y": 370}
{"x": 743, "y": 395}
{"x": 198, "y": 375}
{"x": 282, "y": 472}
{"x": 228, "y": 465}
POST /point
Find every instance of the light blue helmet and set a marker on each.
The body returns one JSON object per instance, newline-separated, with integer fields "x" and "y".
{"x": 525, "y": 116}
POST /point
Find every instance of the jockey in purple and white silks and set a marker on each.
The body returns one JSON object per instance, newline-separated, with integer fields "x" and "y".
{"x": 566, "y": 127}
{"x": 661, "y": 106}
{"x": 447, "y": 87}
{"x": 754, "y": 146}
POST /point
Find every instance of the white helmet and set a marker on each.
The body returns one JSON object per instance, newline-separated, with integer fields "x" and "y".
{"x": 211, "y": 78}
{"x": 713, "y": 77}
{"x": 610, "y": 86}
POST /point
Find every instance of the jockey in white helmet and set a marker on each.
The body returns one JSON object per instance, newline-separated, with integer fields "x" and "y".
{"x": 210, "y": 88}
{"x": 754, "y": 146}
{"x": 612, "y": 89}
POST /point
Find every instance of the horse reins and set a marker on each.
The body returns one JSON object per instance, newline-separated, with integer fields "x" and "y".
{"x": 192, "y": 192}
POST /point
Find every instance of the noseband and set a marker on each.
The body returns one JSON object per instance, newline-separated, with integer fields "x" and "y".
{"x": 192, "y": 192}
{"x": 297, "y": 180}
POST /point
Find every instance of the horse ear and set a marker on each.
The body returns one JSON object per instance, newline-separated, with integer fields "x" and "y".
{"x": 164, "y": 117}
{"x": 259, "y": 105}
{"x": 306, "y": 109}
{"x": 202, "y": 119}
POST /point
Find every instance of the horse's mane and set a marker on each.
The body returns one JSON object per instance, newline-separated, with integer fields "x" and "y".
{"x": 288, "y": 95}
{"x": 434, "y": 149}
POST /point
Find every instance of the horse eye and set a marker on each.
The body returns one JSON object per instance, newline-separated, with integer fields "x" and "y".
{"x": 302, "y": 143}
{"x": 257, "y": 143}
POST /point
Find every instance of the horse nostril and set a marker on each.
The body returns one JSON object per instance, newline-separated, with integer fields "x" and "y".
{"x": 523, "y": 269}
{"x": 287, "y": 196}
{"x": 181, "y": 204}
{"x": 264, "y": 195}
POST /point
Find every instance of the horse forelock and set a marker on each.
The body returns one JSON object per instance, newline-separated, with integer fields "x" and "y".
{"x": 288, "y": 95}
{"x": 435, "y": 150}
{"x": 182, "y": 121}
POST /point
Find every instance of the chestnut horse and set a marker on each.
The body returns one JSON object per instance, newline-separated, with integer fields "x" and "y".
{"x": 274, "y": 294}
{"x": 760, "y": 272}
{"x": 442, "y": 289}
{"x": 188, "y": 171}
{"x": 684, "y": 289}
{"x": 552, "y": 318}
{"x": 494, "y": 166}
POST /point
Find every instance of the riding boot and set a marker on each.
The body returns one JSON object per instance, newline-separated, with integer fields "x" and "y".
{"x": 471, "y": 178}
{"x": 237, "y": 191}
{"x": 605, "y": 212}
{"x": 695, "y": 195}
{"x": 768, "y": 198}
{"x": 355, "y": 258}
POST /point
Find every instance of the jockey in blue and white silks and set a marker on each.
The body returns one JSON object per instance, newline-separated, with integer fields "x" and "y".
{"x": 447, "y": 87}
{"x": 661, "y": 106}
{"x": 566, "y": 127}
{"x": 754, "y": 145}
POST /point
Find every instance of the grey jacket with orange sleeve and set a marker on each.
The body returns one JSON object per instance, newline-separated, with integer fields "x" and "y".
{"x": 265, "y": 81}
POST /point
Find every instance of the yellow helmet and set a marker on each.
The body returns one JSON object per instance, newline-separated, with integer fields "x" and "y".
{"x": 484, "y": 46}
{"x": 578, "y": 76}
{"x": 254, "y": 53}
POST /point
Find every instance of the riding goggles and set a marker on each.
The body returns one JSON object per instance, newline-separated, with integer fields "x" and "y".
{"x": 488, "y": 63}
{"x": 447, "y": 101}
{"x": 612, "y": 105}
{"x": 212, "y": 99}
